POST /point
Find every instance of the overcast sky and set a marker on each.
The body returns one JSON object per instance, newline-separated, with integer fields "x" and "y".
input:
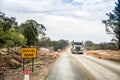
{"x": 77, "y": 20}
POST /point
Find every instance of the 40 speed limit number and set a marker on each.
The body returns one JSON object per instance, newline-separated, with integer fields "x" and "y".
{"x": 28, "y": 53}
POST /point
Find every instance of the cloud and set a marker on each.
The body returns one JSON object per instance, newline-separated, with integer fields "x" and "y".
{"x": 66, "y": 1}
{"x": 68, "y": 19}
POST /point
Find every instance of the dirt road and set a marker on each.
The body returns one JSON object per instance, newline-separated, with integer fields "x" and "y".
{"x": 82, "y": 67}
{"x": 65, "y": 69}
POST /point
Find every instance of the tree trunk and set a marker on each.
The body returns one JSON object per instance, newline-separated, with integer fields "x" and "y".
{"x": 119, "y": 44}
{"x": 29, "y": 45}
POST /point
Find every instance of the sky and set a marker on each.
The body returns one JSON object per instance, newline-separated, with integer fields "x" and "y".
{"x": 78, "y": 20}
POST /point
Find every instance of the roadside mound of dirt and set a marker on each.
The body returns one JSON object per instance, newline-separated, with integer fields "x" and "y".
{"x": 106, "y": 54}
{"x": 9, "y": 61}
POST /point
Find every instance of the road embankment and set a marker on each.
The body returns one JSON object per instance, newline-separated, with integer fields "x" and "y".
{"x": 105, "y": 54}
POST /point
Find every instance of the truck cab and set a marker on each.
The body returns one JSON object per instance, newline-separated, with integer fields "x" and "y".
{"x": 77, "y": 48}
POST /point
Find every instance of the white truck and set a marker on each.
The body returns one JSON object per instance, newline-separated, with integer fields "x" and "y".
{"x": 77, "y": 48}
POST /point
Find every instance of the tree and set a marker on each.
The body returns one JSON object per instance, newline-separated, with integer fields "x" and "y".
{"x": 31, "y": 30}
{"x": 6, "y": 23}
{"x": 16, "y": 37}
{"x": 112, "y": 24}
{"x": 60, "y": 44}
{"x": 9, "y": 35}
{"x": 12, "y": 38}
{"x": 88, "y": 45}
{"x": 2, "y": 38}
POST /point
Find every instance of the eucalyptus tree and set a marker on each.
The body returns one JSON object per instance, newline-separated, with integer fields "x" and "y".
{"x": 112, "y": 24}
{"x": 7, "y": 22}
{"x": 32, "y": 30}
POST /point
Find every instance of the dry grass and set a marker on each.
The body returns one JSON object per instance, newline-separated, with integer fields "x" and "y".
{"x": 106, "y": 54}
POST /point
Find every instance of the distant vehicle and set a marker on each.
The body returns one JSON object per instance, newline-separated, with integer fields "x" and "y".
{"x": 77, "y": 48}
{"x": 59, "y": 50}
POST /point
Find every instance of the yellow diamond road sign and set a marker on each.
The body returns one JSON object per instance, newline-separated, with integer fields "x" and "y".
{"x": 28, "y": 53}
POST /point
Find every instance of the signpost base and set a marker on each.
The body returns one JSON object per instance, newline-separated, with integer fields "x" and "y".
{"x": 32, "y": 64}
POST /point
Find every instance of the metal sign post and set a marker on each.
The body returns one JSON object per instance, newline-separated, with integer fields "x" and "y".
{"x": 23, "y": 64}
{"x": 32, "y": 64}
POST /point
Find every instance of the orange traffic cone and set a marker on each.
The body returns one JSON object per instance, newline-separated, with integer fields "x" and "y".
{"x": 26, "y": 77}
